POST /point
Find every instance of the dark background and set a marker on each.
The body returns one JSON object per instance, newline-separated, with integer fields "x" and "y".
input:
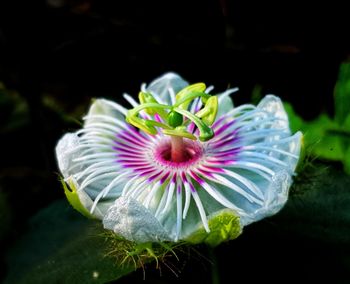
{"x": 59, "y": 54}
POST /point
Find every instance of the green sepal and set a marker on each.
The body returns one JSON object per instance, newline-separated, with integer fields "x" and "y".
{"x": 224, "y": 226}
{"x": 208, "y": 113}
{"x": 73, "y": 198}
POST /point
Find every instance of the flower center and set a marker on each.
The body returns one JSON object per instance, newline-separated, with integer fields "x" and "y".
{"x": 178, "y": 153}
{"x": 173, "y": 120}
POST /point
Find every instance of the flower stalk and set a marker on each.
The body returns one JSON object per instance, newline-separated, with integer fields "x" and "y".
{"x": 178, "y": 154}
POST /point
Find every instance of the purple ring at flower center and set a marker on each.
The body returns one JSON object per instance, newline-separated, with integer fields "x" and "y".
{"x": 193, "y": 151}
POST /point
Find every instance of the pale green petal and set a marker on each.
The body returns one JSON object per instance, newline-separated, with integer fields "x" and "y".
{"x": 274, "y": 106}
{"x": 67, "y": 150}
{"x": 225, "y": 103}
{"x": 160, "y": 87}
{"x": 108, "y": 108}
{"x": 65, "y": 153}
{"x": 276, "y": 196}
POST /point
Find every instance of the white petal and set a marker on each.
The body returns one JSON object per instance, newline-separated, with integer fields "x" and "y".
{"x": 161, "y": 86}
{"x": 225, "y": 102}
{"x": 85, "y": 199}
{"x": 265, "y": 162}
{"x": 65, "y": 153}
{"x": 274, "y": 106}
{"x": 108, "y": 108}
{"x": 131, "y": 220}
{"x": 276, "y": 197}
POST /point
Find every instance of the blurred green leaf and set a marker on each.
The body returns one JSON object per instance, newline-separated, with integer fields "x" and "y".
{"x": 346, "y": 124}
{"x": 342, "y": 93}
{"x": 323, "y": 134}
{"x": 326, "y": 137}
{"x": 62, "y": 246}
{"x": 323, "y": 211}
{"x": 295, "y": 121}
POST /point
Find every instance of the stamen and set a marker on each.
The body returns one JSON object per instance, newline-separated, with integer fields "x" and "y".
{"x": 174, "y": 115}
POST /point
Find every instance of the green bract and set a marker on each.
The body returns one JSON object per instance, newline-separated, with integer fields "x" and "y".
{"x": 73, "y": 198}
{"x": 224, "y": 226}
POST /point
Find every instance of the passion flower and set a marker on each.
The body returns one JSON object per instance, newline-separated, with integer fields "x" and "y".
{"x": 181, "y": 164}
